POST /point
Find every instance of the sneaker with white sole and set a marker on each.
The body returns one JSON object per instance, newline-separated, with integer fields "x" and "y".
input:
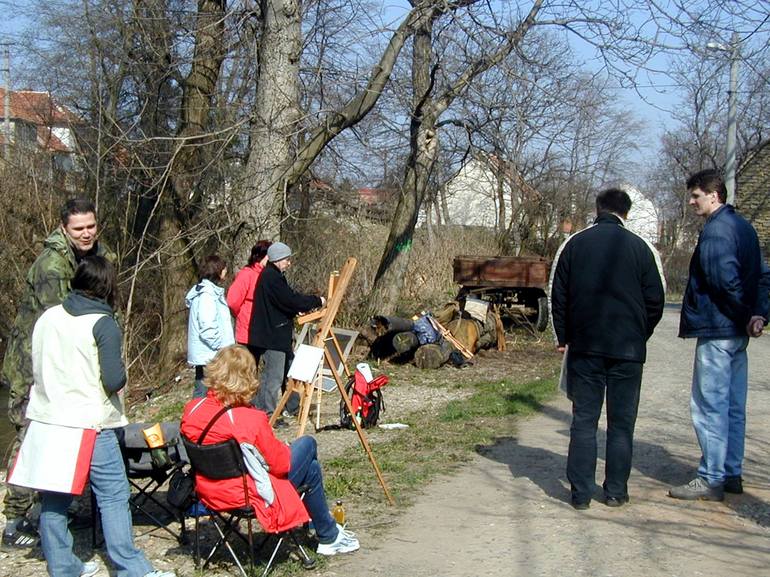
{"x": 345, "y": 542}
{"x": 90, "y": 569}
{"x": 697, "y": 490}
{"x": 159, "y": 573}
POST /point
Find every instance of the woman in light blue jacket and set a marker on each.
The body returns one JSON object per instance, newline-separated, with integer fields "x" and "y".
{"x": 209, "y": 327}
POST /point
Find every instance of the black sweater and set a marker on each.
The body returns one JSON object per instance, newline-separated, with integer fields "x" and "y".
{"x": 275, "y": 305}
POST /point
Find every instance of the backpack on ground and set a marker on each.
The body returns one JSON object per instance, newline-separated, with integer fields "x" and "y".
{"x": 366, "y": 400}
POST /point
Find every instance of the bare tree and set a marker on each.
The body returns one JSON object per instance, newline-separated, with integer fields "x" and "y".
{"x": 264, "y": 188}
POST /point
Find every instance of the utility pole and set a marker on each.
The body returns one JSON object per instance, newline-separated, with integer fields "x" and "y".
{"x": 7, "y": 101}
{"x": 732, "y": 119}
{"x": 732, "y": 105}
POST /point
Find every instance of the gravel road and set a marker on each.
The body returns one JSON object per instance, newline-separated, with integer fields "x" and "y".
{"x": 508, "y": 513}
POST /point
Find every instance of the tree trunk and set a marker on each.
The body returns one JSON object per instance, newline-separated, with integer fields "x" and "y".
{"x": 178, "y": 277}
{"x": 179, "y": 200}
{"x": 389, "y": 280}
{"x": 275, "y": 121}
{"x": 432, "y": 356}
{"x": 444, "y": 207}
{"x": 405, "y": 342}
{"x": 390, "y": 276}
{"x": 261, "y": 195}
{"x": 429, "y": 223}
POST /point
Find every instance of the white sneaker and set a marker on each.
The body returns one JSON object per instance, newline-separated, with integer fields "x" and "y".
{"x": 345, "y": 542}
{"x": 90, "y": 569}
{"x": 159, "y": 573}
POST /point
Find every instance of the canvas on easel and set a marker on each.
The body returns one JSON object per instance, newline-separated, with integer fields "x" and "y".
{"x": 325, "y": 339}
{"x": 346, "y": 339}
{"x": 306, "y": 363}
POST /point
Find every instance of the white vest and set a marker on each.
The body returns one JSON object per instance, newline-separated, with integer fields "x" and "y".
{"x": 68, "y": 387}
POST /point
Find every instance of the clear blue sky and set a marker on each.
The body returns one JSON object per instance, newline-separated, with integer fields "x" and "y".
{"x": 12, "y": 20}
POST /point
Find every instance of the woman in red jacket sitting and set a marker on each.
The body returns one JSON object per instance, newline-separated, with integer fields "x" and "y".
{"x": 231, "y": 381}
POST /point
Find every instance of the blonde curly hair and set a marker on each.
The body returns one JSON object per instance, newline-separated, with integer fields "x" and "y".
{"x": 232, "y": 375}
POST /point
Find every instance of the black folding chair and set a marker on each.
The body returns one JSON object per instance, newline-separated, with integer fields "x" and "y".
{"x": 222, "y": 461}
{"x": 147, "y": 475}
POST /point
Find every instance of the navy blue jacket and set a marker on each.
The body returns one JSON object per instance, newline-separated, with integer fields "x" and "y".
{"x": 728, "y": 282}
{"x": 607, "y": 291}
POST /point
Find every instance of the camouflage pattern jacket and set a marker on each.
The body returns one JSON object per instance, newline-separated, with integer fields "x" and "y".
{"x": 47, "y": 285}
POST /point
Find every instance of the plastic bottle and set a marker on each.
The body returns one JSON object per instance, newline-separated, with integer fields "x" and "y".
{"x": 160, "y": 458}
{"x": 338, "y": 512}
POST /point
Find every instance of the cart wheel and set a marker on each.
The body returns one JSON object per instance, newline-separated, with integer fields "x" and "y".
{"x": 542, "y": 314}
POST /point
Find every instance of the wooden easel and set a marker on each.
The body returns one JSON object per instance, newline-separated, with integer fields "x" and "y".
{"x": 338, "y": 284}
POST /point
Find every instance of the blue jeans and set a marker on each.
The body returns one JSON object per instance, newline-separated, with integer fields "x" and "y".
{"x": 306, "y": 470}
{"x": 718, "y": 406}
{"x": 110, "y": 486}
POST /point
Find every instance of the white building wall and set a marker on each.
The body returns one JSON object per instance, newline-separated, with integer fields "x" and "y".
{"x": 65, "y": 135}
{"x": 471, "y": 196}
{"x": 643, "y": 217}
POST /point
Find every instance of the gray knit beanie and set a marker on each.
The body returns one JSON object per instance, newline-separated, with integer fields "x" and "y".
{"x": 278, "y": 251}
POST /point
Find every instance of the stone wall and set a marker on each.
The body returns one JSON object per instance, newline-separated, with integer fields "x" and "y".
{"x": 753, "y": 192}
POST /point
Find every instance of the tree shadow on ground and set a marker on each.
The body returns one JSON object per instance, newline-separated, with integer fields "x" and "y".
{"x": 547, "y": 469}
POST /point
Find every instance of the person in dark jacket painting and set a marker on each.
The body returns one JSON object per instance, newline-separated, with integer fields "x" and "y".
{"x": 272, "y": 324}
{"x": 724, "y": 304}
{"x": 607, "y": 296}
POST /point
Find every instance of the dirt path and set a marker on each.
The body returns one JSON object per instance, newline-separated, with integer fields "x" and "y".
{"x": 508, "y": 514}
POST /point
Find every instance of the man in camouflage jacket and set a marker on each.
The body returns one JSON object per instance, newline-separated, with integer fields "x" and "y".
{"x": 47, "y": 284}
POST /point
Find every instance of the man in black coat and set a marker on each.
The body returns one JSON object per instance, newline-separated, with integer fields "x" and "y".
{"x": 272, "y": 324}
{"x": 607, "y": 296}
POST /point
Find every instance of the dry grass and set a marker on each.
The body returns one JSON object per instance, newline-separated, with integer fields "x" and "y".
{"x": 428, "y": 282}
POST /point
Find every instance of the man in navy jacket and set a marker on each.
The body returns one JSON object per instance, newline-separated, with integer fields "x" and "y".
{"x": 724, "y": 304}
{"x": 607, "y": 296}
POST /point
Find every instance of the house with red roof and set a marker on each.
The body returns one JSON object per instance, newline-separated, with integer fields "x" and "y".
{"x": 38, "y": 123}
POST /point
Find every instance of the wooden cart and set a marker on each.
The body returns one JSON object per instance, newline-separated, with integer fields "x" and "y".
{"x": 516, "y": 283}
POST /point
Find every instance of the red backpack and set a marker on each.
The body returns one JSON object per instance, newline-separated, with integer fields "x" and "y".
{"x": 366, "y": 400}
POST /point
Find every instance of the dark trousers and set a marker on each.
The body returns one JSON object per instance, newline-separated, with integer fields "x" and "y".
{"x": 199, "y": 389}
{"x": 588, "y": 378}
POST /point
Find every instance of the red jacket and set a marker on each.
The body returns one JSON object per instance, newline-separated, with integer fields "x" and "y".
{"x": 240, "y": 299}
{"x": 246, "y": 425}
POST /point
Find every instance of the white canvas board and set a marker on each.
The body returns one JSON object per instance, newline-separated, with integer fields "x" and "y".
{"x": 307, "y": 361}
{"x": 345, "y": 337}
{"x": 477, "y": 309}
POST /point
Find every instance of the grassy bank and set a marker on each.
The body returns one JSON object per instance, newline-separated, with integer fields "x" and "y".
{"x": 433, "y": 444}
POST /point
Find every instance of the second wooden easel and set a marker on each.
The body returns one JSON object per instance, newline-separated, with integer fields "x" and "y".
{"x": 337, "y": 287}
